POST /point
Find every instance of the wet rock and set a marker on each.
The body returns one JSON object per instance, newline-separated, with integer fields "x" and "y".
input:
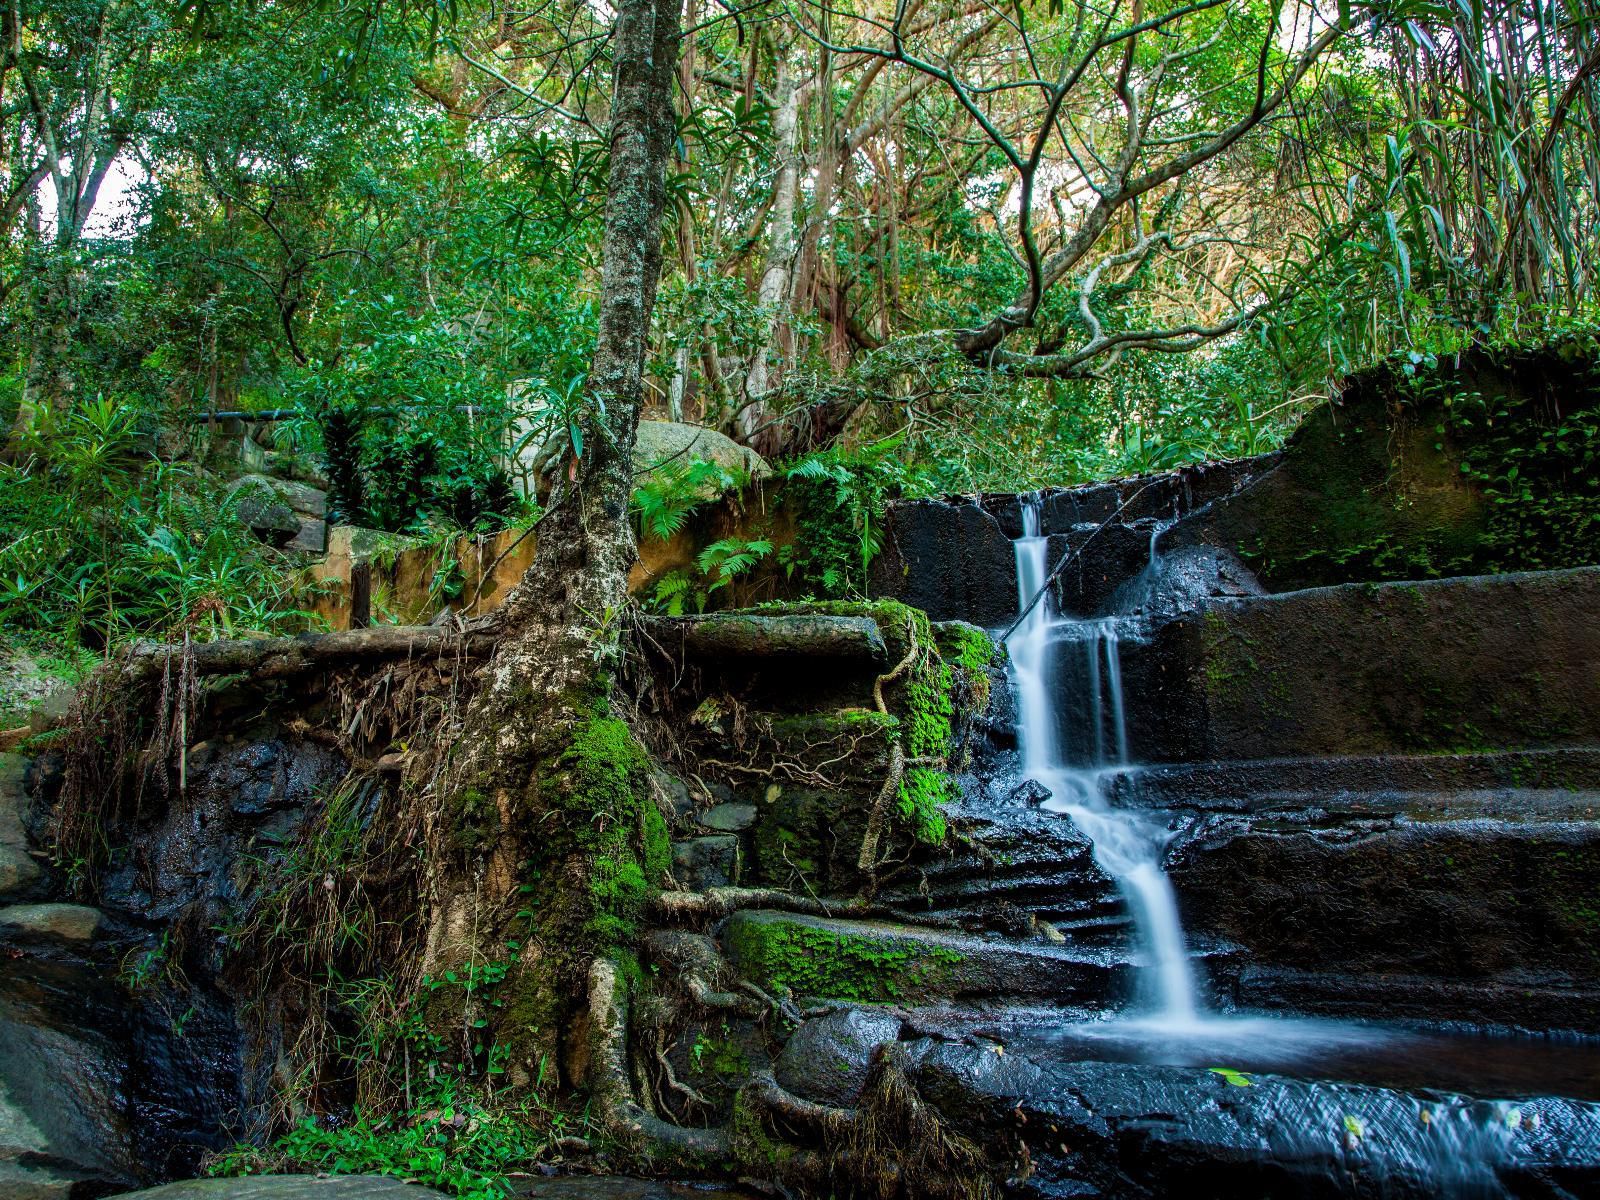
{"x": 706, "y": 862}
{"x": 1139, "y": 1132}
{"x": 68, "y": 922}
{"x": 953, "y": 557}
{"x": 826, "y": 1059}
{"x": 1029, "y": 793}
{"x": 291, "y": 1187}
{"x": 18, "y": 868}
{"x": 1500, "y": 911}
{"x": 1451, "y": 665}
{"x": 729, "y": 818}
{"x": 949, "y": 558}
{"x": 63, "y": 1066}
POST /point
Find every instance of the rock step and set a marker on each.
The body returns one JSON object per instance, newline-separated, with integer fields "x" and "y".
{"x": 291, "y": 1187}
{"x": 776, "y": 635}
{"x": 828, "y": 958}
{"x": 1550, "y": 784}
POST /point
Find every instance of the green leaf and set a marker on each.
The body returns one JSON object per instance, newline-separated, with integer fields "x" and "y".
{"x": 1234, "y": 1078}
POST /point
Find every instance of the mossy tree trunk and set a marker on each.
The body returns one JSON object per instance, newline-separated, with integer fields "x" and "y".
{"x": 546, "y": 838}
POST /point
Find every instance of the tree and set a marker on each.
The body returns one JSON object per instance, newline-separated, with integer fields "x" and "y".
{"x": 543, "y": 759}
{"x": 81, "y": 72}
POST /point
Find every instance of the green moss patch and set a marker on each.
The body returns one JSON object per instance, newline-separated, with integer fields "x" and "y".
{"x": 839, "y": 960}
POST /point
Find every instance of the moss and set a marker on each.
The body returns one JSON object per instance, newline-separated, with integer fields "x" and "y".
{"x": 603, "y": 786}
{"x": 840, "y": 966}
{"x": 946, "y": 683}
{"x": 474, "y": 820}
{"x": 923, "y": 794}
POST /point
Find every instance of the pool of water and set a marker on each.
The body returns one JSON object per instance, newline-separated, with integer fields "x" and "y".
{"x": 1487, "y": 1065}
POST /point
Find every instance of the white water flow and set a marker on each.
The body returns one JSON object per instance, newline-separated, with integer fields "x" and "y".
{"x": 1127, "y": 844}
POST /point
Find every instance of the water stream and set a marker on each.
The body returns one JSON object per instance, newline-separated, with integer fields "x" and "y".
{"x": 1078, "y": 767}
{"x": 1072, "y": 731}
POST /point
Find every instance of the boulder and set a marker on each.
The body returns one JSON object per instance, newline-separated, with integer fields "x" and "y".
{"x": 18, "y": 869}
{"x": 263, "y": 511}
{"x": 662, "y": 445}
{"x": 826, "y": 1059}
{"x": 67, "y": 922}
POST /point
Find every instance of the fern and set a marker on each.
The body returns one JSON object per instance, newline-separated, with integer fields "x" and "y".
{"x": 665, "y": 502}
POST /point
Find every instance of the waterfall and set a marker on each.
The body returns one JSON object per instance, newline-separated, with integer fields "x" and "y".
{"x": 1076, "y": 766}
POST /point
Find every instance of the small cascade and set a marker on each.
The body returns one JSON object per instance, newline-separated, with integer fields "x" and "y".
{"x": 1078, "y": 755}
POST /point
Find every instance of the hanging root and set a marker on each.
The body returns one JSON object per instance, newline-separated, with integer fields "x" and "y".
{"x": 867, "y": 860}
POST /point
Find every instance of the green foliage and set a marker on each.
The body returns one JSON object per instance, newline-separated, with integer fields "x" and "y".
{"x": 716, "y": 566}
{"x": 100, "y": 540}
{"x": 451, "y": 1142}
{"x": 839, "y": 500}
{"x": 664, "y": 502}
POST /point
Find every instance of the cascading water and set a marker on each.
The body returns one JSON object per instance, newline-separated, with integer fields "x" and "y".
{"x": 1127, "y": 844}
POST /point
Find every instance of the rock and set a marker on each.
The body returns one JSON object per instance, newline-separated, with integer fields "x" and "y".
{"x": 953, "y": 557}
{"x": 63, "y": 1130}
{"x": 1377, "y": 485}
{"x": 1127, "y": 1131}
{"x": 616, "y": 1187}
{"x": 1475, "y": 919}
{"x": 302, "y": 497}
{"x": 313, "y": 536}
{"x": 31, "y": 695}
{"x": 729, "y": 818}
{"x": 1442, "y": 665}
{"x": 18, "y": 869}
{"x": 949, "y": 558}
{"x": 252, "y": 454}
{"x": 291, "y": 1187}
{"x": 263, "y": 511}
{"x": 69, "y": 922}
{"x": 836, "y": 959}
{"x": 705, "y": 862}
{"x": 665, "y": 444}
{"x": 826, "y": 1059}
{"x": 777, "y": 635}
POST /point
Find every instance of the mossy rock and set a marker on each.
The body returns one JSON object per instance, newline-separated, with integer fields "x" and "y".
{"x": 878, "y": 961}
{"x": 1475, "y": 464}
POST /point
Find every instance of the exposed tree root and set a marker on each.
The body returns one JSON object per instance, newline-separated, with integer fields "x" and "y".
{"x": 618, "y": 1110}
{"x": 713, "y": 904}
{"x": 273, "y": 658}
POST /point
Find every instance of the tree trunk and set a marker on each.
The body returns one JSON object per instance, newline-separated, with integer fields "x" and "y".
{"x": 776, "y": 276}
{"x": 546, "y": 836}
